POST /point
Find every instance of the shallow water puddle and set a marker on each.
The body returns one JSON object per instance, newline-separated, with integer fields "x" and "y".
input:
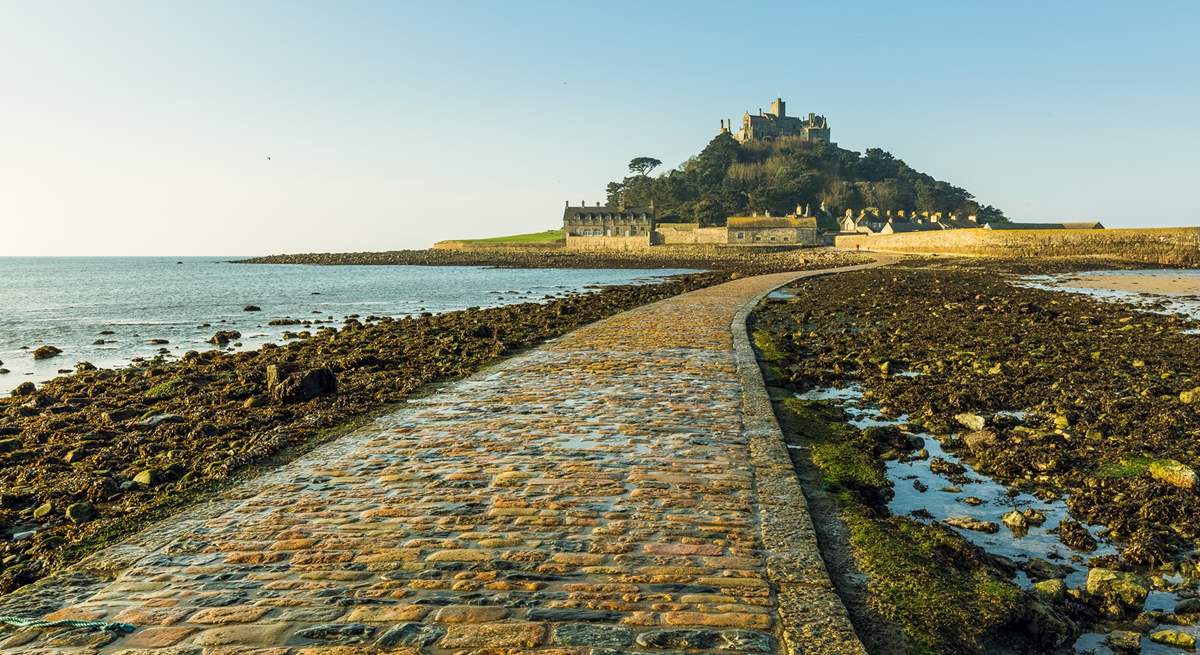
{"x": 1153, "y": 296}
{"x": 933, "y": 497}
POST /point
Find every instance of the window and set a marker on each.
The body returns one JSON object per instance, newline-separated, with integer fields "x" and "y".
{"x": 739, "y": 235}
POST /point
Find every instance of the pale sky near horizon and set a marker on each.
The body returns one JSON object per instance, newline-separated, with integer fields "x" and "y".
{"x": 144, "y": 128}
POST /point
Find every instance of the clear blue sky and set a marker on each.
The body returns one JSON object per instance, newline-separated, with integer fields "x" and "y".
{"x": 144, "y": 128}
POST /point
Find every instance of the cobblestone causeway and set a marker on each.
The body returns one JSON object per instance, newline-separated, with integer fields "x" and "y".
{"x": 599, "y": 494}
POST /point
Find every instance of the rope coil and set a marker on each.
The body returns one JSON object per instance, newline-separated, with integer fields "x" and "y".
{"x": 19, "y": 622}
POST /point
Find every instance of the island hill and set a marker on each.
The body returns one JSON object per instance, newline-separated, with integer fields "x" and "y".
{"x": 778, "y": 180}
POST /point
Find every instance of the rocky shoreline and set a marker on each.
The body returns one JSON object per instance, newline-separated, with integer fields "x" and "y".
{"x": 748, "y": 261}
{"x": 92, "y": 456}
{"x": 1055, "y": 395}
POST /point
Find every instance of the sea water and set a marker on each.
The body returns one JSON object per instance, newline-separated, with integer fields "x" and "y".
{"x": 69, "y": 302}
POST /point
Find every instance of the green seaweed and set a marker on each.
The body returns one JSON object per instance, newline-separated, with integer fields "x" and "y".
{"x": 931, "y": 583}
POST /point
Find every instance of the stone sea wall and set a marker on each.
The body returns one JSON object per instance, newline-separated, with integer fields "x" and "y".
{"x": 1166, "y": 246}
{"x": 608, "y": 243}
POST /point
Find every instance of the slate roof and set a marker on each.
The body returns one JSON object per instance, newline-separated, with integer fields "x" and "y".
{"x": 771, "y": 221}
{"x": 598, "y": 212}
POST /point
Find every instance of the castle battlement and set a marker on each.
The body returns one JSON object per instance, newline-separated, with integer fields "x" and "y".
{"x": 776, "y": 123}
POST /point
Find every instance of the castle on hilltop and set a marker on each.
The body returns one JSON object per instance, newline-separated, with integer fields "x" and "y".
{"x": 776, "y": 123}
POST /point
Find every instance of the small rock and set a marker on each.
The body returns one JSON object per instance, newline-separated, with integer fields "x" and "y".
{"x": 158, "y": 419}
{"x": 1172, "y": 637}
{"x": 1190, "y": 396}
{"x": 46, "y": 352}
{"x": 1034, "y": 517}
{"x": 1051, "y": 590}
{"x": 1173, "y": 473}
{"x": 1016, "y": 521}
{"x": 1124, "y": 640}
{"x": 148, "y": 478}
{"x": 968, "y": 523}
{"x": 24, "y": 389}
{"x": 980, "y": 440}
{"x": 9, "y": 445}
{"x": 81, "y": 512}
{"x": 971, "y": 421}
{"x": 252, "y": 308}
{"x": 223, "y": 337}
{"x": 43, "y": 510}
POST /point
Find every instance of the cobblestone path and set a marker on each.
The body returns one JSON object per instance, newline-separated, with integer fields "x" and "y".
{"x": 600, "y": 494}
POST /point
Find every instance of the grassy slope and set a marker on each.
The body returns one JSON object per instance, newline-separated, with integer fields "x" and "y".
{"x": 549, "y": 236}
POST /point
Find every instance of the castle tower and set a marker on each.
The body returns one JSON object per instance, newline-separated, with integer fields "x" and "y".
{"x": 779, "y": 107}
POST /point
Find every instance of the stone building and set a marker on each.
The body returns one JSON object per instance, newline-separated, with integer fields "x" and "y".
{"x": 605, "y": 221}
{"x": 796, "y": 229}
{"x": 776, "y": 123}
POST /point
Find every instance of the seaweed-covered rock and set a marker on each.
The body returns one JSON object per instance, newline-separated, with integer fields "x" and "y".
{"x": 1115, "y": 593}
{"x": 24, "y": 389}
{"x": 46, "y": 352}
{"x": 1173, "y": 637}
{"x": 1173, "y": 473}
{"x": 299, "y": 387}
{"x": 970, "y": 421}
{"x": 970, "y": 523}
{"x": 223, "y": 337}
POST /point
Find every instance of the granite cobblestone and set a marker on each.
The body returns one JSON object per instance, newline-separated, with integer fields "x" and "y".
{"x": 594, "y": 495}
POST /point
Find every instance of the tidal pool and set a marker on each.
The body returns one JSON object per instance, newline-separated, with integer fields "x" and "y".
{"x": 926, "y": 496}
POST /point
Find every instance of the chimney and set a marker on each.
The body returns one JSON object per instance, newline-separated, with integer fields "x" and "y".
{"x": 568, "y": 203}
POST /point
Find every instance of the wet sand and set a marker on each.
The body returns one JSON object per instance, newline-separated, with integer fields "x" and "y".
{"x": 1169, "y": 283}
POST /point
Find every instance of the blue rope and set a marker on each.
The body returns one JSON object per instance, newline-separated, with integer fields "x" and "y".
{"x": 20, "y": 622}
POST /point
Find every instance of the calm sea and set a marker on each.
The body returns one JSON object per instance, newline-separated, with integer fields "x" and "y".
{"x": 69, "y": 302}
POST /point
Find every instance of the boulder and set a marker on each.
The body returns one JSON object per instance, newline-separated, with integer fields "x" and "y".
{"x": 252, "y": 308}
{"x": 1173, "y": 473}
{"x": 81, "y": 512}
{"x": 971, "y": 421}
{"x": 305, "y": 385}
{"x": 1116, "y": 593}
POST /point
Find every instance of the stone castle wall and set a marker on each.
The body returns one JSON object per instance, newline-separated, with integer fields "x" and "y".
{"x": 1169, "y": 246}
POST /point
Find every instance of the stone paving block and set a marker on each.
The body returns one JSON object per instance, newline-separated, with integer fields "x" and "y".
{"x": 613, "y": 490}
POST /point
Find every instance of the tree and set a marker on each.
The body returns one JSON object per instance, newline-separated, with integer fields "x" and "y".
{"x": 643, "y": 165}
{"x": 613, "y": 192}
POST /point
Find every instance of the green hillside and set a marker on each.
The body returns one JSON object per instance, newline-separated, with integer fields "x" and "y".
{"x": 728, "y": 178}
